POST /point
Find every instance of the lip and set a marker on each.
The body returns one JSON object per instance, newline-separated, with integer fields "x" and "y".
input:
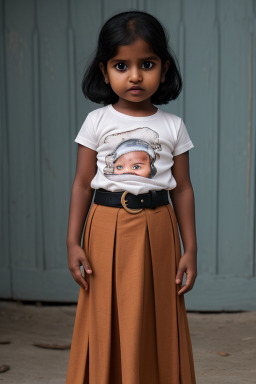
{"x": 135, "y": 87}
{"x": 135, "y": 90}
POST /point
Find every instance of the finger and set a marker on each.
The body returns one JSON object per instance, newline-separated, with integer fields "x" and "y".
{"x": 87, "y": 266}
{"x": 187, "y": 287}
{"x": 179, "y": 276}
{"x": 81, "y": 284}
{"x": 78, "y": 276}
{"x": 79, "y": 279}
{"x": 178, "y": 287}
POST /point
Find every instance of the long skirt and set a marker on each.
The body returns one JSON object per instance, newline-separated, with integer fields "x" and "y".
{"x": 131, "y": 325}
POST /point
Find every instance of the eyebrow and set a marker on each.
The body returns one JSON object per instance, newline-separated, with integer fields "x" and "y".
{"x": 143, "y": 58}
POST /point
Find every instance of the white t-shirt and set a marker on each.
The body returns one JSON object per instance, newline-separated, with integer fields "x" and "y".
{"x": 134, "y": 154}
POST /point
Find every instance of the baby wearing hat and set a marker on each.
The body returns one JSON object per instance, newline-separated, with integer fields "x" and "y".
{"x": 134, "y": 155}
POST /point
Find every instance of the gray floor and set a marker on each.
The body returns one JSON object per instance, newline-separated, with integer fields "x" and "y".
{"x": 211, "y": 333}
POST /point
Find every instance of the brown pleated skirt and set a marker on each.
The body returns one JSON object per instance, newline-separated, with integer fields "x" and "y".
{"x": 131, "y": 326}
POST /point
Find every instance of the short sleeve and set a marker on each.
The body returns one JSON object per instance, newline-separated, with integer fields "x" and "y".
{"x": 87, "y": 135}
{"x": 184, "y": 142}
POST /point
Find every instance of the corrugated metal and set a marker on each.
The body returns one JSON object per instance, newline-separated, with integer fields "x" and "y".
{"x": 44, "y": 48}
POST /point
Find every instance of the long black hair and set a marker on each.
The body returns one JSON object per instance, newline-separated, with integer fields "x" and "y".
{"x": 124, "y": 29}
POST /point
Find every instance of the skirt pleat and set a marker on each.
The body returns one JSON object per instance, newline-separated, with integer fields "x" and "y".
{"x": 131, "y": 326}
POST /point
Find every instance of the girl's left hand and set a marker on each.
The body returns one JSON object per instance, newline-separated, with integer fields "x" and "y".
{"x": 188, "y": 265}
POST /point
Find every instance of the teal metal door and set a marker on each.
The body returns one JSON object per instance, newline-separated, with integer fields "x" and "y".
{"x": 44, "y": 47}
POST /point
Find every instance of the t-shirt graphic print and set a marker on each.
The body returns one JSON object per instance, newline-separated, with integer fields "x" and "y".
{"x": 134, "y": 153}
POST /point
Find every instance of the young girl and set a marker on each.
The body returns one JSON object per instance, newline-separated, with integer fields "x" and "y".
{"x": 131, "y": 324}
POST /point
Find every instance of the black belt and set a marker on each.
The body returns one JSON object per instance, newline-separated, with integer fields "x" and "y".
{"x": 131, "y": 203}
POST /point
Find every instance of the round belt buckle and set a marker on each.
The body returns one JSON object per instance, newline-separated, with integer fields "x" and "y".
{"x": 123, "y": 202}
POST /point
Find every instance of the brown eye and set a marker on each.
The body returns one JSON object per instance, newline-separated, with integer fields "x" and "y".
{"x": 148, "y": 63}
{"x": 119, "y": 66}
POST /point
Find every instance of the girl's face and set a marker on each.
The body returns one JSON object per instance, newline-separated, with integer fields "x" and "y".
{"x": 135, "y": 65}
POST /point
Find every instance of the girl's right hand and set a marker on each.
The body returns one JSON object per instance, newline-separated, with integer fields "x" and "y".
{"x": 76, "y": 258}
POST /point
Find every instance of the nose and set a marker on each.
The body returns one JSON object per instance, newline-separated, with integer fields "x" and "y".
{"x": 135, "y": 75}
{"x": 128, "y": 169}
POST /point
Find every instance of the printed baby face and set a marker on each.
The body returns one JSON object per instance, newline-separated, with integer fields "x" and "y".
{"x": 133, "y": 154}
{"x": 135, "y": 163}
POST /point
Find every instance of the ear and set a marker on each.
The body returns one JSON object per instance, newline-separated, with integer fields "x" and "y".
{"x": 166, "y": 66}
{"x": 105, "y": 74}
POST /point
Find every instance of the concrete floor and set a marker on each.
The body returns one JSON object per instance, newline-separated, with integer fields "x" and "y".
{"x": 24, "y": 324}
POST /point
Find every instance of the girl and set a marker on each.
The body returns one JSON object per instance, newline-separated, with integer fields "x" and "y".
{"x": 131, "y": 324}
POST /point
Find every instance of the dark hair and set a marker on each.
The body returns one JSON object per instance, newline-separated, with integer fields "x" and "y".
{"x": 124, "y": 29}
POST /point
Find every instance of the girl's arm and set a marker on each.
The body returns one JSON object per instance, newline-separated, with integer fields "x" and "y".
{"x": 182, "y": 197}
{"x": 80, "y": 201}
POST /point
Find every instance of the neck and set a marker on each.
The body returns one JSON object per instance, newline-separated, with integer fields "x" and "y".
{"x": 141, "y": 108}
